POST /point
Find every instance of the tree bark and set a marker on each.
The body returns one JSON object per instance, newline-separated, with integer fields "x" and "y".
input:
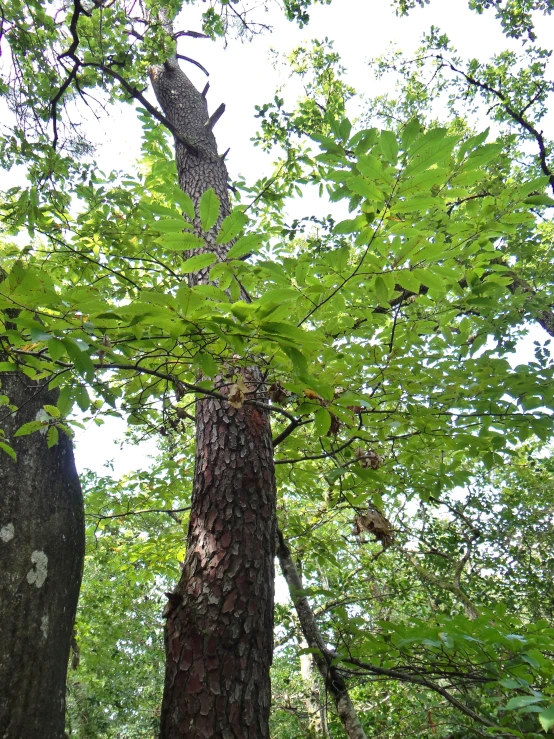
{"x": 323, "y": 656}
{"x": 41, "y": 555}
{"x": 219, "y": 631}
{"x": 316, "y": 705}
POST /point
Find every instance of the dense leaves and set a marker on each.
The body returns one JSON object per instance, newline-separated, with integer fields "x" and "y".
{"x": 413, "y": 483}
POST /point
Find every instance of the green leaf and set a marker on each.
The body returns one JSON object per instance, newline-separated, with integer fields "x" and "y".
{"x": 322, "y": 422}
{"x": 407, "y": 280}
{"x": 82, "y": 398}
{"x": 171, "y": 225}
{"x": 211, "y": 291}
{"x": 52, "y": 411}
{"x": 546, "y": 718}
{"x": 298, "y": 360}
{"x": 279, "y": 295}
{"x": 232, "y": 226}
{"x": 245, "y": 245}
{"x": 411, "y": 131}
{"x": 181, "y": 241}
{"x": 433, "y": 153}
{"x": 30, "y": 428}
{"x": 521, "y": 700}
{"x": 52, "y": 436}
{"x": 208, "y": 364}
{"x": 209, "y": 209}
{"x": 198, "y": 262}
{"x": 188, "y": 299}
{"x": 429, "y": 279}
{"x": 372, "y": 168}
{"x": 184, "y": 202}
{"x": 364, "y": 187}
{"x": 8, "y": 449}
{"x": 56, "y": 349}
{"x": 81, "y": 360}
{"x": 65, "y": 400}
{"x": 388, "y": 144}
{"x": 381, "y": 289}
{"x": 539, "y": 200}
{"x": 350, "y": 226}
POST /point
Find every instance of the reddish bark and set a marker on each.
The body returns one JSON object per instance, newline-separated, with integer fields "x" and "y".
{"x": 219, "y": 632}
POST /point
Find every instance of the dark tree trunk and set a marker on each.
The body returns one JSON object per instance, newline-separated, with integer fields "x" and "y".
{"x": 219, "y": 632}
{"x": 41, "y": 560}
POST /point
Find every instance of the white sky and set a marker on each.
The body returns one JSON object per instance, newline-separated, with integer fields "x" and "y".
{"x": 242, "y": 76}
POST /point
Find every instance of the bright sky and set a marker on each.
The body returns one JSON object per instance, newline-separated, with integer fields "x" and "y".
{"x": 242, "y": 76}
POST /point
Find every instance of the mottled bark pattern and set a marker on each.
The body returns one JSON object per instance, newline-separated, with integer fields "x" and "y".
{"x": 41, "y": 559}
{"x": 199, "y": 167}
{"x": 219, "y": 633}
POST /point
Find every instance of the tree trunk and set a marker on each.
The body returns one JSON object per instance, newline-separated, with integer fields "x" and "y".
{"x": 41, "y": 556}
{"x": 219, "y": 631}
{"x": 316, "y": 704}
{"x": 323, "y": 657}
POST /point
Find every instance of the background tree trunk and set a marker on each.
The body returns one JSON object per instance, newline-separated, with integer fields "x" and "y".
{"x": 323, "y": 657}
{"x": 219, "y": 633}
{"x": 41, "y": 561}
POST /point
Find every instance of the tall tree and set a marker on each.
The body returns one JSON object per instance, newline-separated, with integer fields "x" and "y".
{"x": 219, "y": 632}
{"x": 220, "y": 617}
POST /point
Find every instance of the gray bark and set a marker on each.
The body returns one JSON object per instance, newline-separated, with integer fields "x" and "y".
{"x": 323, "y": 657}
{"x": 41, "y": 560}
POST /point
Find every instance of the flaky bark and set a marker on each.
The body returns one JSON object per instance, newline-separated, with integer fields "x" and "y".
{"x": 219, "y": 632}
{"x": 323, "y": 657}
{"x": 41, "y": 559}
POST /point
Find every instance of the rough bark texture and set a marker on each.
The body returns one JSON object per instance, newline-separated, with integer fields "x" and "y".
{"x": 41, "y": 560}
{"x": 323, "y": 657}
{"x": 219, "y": 632}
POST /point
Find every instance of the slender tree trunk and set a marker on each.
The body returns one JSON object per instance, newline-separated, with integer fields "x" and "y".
{"x": 41, "y": 560}
{"x": 219, "y": 631}
{"x": 323, "y": 657}
{"x": 315, "y": 703}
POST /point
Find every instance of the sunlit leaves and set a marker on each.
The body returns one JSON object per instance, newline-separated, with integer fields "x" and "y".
{"x": 232, "y": 226}
{"x": 209, "y": 209}
{"x": 8, "y": 450}
{"x": 198, "y": 262}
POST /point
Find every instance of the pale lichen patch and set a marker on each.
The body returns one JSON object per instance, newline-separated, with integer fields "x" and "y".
{"x": 7, "y": 533}
{"x": 44, "y": 626}
{"x": 39, "y": 570}
{"x": 43, "y": 416}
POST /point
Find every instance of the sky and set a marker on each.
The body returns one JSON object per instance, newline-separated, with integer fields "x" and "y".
{"x": 243, "y": 75}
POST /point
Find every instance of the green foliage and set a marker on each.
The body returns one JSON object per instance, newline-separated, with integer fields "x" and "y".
{"x": 117, "y": 659}
{"x": 386, "y": 331}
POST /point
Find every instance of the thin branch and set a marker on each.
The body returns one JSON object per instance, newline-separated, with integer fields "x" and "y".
{"x": 193, "y": 61}
{"x": 169, "y": 511}
{"x": 425, "y": 682}
{"x": 293, "y": 425}
{"x": 514, "y": 115}
{"x": 192, "y": 34}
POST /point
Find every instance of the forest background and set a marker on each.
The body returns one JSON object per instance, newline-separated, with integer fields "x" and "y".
{"x": 427, "y": 565}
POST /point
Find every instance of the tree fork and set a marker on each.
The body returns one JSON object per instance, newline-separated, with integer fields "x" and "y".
{"x": 219, "y": 629}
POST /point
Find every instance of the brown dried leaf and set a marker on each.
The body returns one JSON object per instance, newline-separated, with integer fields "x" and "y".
{"x": 374, "y": 523}
{"x": 237, "y": 393}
